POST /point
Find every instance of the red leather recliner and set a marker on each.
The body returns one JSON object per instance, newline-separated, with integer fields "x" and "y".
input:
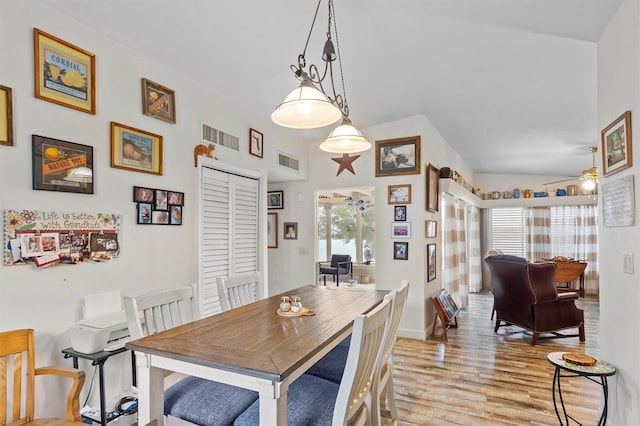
{"x": 525, "y": 295}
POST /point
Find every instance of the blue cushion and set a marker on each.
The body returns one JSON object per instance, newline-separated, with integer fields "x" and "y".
{"x": 205, "y": 402}
{"x": 331, "y": 366}
{"x": 311, "y": 401}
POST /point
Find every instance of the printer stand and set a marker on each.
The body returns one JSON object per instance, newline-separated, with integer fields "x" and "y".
{"x": 99, "y": 358}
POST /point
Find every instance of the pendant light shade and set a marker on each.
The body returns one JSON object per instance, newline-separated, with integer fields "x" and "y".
{"x": 589, "y": 184}
{"x": 306, "y": 108}
{"x": 345, "y": 139}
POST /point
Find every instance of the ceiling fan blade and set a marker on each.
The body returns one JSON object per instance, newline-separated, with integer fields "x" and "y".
{"x": 562, "y": 180}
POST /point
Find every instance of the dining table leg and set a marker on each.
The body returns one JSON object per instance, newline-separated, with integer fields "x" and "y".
{"x": 273, "y": 403}
{"x": 150, "y": 391}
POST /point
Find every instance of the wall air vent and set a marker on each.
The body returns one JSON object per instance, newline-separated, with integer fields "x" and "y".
{"x": 219, "y": 137}
{"x": 287, "y": 161}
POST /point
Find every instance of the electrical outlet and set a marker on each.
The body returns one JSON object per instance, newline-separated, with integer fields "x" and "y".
{"x": 627, "y": 263}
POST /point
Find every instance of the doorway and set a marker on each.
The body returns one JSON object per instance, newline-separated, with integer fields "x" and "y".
{"x": 346, "y": 225}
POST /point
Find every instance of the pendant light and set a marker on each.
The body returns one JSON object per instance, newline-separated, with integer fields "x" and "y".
{"x": 311, "y": 106}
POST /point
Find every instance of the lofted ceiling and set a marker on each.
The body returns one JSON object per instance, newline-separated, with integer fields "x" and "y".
{"x": 510, "y": 84}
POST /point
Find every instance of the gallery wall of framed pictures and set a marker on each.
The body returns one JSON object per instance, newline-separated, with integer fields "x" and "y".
{"x": 158, "y": 206}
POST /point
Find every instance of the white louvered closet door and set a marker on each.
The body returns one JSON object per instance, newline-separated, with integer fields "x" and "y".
{"x": 230, "y": 230}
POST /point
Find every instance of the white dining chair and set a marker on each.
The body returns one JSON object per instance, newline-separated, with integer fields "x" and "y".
{"x": 161, "y": 310}
{"x": 384, "y": 377}
{"x": 186, "y": 397}
{"x": 312, "y": 400}
{"x": 238, "y": 290}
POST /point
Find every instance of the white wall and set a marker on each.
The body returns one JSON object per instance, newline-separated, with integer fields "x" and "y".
{"x": 152, "y": 257}
{"x": 293, "y": 263}
{"x": 618, "y": 91}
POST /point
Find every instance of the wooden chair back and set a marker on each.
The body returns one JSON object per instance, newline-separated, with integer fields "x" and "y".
{"x": 17, "y": 389}
{"x": 365, "y": 351}
{"x": 239, "y": 290}
{"x": 384, "y": 377}
{"x": 161, "y": 310}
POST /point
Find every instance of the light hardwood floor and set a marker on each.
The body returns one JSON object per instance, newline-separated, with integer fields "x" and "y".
{"x": 482, "y": 378}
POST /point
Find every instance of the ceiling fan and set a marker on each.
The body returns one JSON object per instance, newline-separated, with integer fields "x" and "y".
{"x": 589, "y": 176}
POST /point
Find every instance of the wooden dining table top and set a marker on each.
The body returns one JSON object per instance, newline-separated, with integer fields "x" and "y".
{"x": 254, "y": 340}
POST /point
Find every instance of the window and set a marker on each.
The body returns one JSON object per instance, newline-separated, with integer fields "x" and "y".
{"x": 508, "y": 231}
{"x": 346, "y": 225}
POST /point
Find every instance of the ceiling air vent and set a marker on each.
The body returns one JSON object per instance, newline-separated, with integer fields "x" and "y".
{"x": 290, "y": 162}
{"x": 219, "y": 137}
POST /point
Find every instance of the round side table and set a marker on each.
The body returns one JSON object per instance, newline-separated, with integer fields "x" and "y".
{"x": 597, "y": 374}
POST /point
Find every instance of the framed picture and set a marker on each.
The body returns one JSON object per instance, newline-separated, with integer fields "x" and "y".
{"x": 400, "y": 213}
{"x": 175, "y": 215}
{"x": 291, "y": 230}
{"x": 275, "y": 200}
{"x": 158, "y": 101}
{"x": 160, "y": 200}
{"x": 61, "y": 166}
{"x": 398, "y": 157}
{"x": 430, "y": 228}
{"x": 399, "y": 194}
{"x": 142, "y": 195}
{"x": 431, "y": 262}
{"x": 400, "y": 251}
{"x": 64, "y": 74}
{"x": 159, "y": 217}
{"x": 433, "y": 184}
{"x": 272, "y": 230}
{"x": 256, "y": 140}
{"x": 6, "y": 116}
{"x": 401, "y": 230}
{"x": 176, "y": 198}
{"x": 144, "y": 213}
{"x": 135, "y": 150}
{"x": 616, "y": 145}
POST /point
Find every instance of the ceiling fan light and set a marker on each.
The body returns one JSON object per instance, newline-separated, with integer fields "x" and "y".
{"x": 345, "y": 139}
{"x": 306, "y": 108}
{"x": 589, "y": 185}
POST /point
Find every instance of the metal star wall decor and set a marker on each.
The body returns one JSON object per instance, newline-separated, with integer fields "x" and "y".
{"x": 346, "y": 163}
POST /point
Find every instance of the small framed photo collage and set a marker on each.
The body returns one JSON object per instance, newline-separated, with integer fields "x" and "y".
{"x": 158, "y": 206}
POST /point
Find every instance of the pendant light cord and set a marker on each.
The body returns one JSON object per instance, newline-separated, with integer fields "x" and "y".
{"x": 313, "y": 23}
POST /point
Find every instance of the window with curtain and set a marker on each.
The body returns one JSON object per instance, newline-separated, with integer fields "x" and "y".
{"x": 544, "y": 232}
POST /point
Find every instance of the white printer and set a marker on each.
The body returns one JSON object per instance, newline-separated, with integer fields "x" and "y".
{"x": 104, "y": 326}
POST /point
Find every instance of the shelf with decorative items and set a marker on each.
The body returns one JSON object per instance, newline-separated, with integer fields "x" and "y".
{"x": 457, "y": 190}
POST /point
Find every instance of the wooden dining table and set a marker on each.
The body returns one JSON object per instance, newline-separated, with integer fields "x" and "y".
{"x": 251, "y": 347}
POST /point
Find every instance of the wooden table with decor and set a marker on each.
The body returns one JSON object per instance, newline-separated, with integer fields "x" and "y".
{"x": 568, "y": 271}
{"x": 250, "y": 347}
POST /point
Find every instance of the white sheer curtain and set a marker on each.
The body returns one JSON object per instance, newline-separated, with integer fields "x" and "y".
{"x": 475, "y": 253}
{"x": 538, "y": 237}
{"x": 455, "y": 251}
{"x": 574, "y": 233}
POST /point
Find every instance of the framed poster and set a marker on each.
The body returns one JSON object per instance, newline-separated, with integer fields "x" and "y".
{"x": 256, "y": 142}
{"x": 64, "y": 74}
{"x": 616, "y": 145}
{"x": 272, "y": 230}
{"x": 399, "y": 194}
{"x": 401, "y": 251}
{"x": 275, "y": 200}
{"x": 291, "y": 230}
{"x": 401, "y": 230}
{"x": 430, "y": 228}
{"x": 61, "y": 166}
{"x": 431, "y": 262}
{"x": 6, "y": 116}
{"x": 398, "y": 157}
{"x": 135, "y": 150}
{"x": 400, "y": 213}
{"x": 158, "y": 101}
{"x": 433, "y": 185}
